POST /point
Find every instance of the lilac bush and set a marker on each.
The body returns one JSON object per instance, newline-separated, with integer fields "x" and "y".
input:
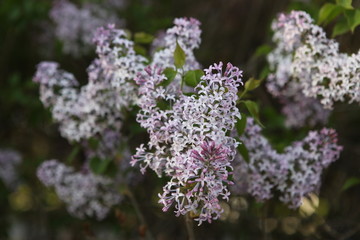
{"x": 190, "y": 116}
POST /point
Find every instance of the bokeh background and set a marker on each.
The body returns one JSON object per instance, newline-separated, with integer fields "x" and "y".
{"x": 233, "y": 31}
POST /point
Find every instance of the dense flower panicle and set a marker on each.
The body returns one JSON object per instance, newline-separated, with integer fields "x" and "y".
{"x": 307, "y": 64}
{"x": 75, "y": 26}
{"x": 309, "y": 158}
{"x": 184, "y": 134}
{"x": 9, "y": 160}
{"x": 95, "y": 107}
{"x": 207, "y": 174}
{"x": 294, "y": 173}
{"x": 85, "y": 194}
{"x": 186, "y": 32}
{"x": 298, "y": 109}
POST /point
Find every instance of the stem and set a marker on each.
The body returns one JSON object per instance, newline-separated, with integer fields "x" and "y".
{"x": 139, "y": 213}
{"x": 182, "y": 78}
{"x": 242, "y": 94}
{"x": 263, "y": 221}
{"x": 189, "y": 227}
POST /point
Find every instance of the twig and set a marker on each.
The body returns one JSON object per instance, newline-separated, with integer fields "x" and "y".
{"x": 336, "y": 235}
{"x": 189, "y": 227}
{"x": 139, "y": 213}
{"x": 349, "y": 233}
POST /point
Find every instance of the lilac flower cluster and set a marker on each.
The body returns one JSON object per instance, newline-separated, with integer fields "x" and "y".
{"x": 308, "y": 65}
{"x": 9, "y": 160}
{"x": 95, "y": 107}
{"x": 75, "y": 26}
{"x": 282, "y": 83}
{"x": 92, "y": 115}
{"x": 189, "y": 141}
{"x": 85, "y": 194}
{"x": 186, "y": 32}
{"x": 292, "y": 174}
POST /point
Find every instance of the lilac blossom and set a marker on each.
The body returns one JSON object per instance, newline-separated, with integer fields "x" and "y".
{"x": 186, "y": 32}
{"x": 75, "y": 26}
{"x": 85, "y": 194}
{"x": 97, "y": 106}
{"x": 294, "y": 173}
{"x": 309, "y": 158}
{"x": 9, "y": 160}
{"x": 298, "y": 109}
{"x": 188, "y": 141}
{"x": 92, "y": 115}
{"x": 307, "y": 64}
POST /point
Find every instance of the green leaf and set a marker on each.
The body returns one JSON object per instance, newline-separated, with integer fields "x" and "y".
{"x": 93, "y": 143}
{"x": 328, "y": 12}
{"x": 341, "y": 27}
{"x": 179, "y": 56}
{"x": 241, "y": 124}
{"x": 353, "y": 18}
{"x": 263, "y": 50}
{"x": 143, "y": 38}
{"x": 128, "y": 34}
{"x": 323, "y": 208}
{"x": 193, "y": 77}
{"x": 98, "y": 165}
{"x": 189, "y": 94}
{"x": 356, "y": 21}
{"x": 111, "y": 169}
{"x": 264, "y": 72}
{"x": 345, "y": 3}
{"x": 243, "y": 151}
{"x": 257, "y": 205}
{"x": 163, "y": 104}
{"x": 251, "y": 84}
{"x": 353, "y": 181}
{"x": 73, "y": 154}
{"x": 253, "y": 110}
{"x": 140, "y": 49}
{"x": 170, "y": 74}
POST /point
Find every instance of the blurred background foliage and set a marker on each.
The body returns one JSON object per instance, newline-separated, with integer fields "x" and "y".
{"x": 236, "y": 31}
